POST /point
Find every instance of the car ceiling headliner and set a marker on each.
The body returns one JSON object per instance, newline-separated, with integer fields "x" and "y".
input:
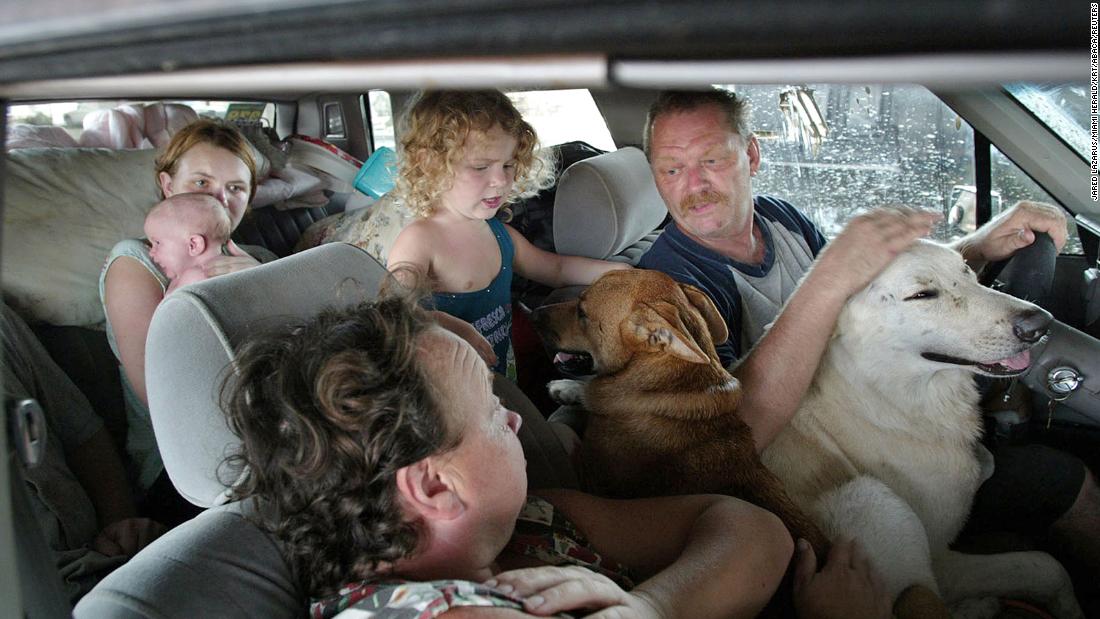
{"x": 58, "y": 39}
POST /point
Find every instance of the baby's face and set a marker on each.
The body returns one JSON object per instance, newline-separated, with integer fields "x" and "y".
{"x": 169, "y": 245}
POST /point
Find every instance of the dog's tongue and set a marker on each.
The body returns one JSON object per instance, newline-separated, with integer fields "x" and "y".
{"x": 563, "y": 357}
{"x": 1019, "y": 362}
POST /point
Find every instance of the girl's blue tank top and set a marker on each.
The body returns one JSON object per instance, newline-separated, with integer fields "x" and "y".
{"x": 489, "y": 310}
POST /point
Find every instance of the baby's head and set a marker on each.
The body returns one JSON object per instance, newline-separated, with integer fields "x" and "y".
{"x": 439, "y": 127}
{"x": 185, "y": 229}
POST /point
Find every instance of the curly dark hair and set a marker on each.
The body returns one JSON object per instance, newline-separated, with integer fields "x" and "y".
{"x": 327, "y": 412}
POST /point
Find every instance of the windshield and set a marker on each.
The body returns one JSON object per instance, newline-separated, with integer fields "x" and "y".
{"x": 838, "y": 149}
{"x": 1064, "y": 107}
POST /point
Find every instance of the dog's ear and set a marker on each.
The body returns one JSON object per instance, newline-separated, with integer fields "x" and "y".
{"x": 657, "y": 332}
{"x": 719, "y": 332}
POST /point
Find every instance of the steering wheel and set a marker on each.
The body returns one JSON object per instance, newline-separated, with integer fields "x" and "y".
{"x": 1028, "y": 274}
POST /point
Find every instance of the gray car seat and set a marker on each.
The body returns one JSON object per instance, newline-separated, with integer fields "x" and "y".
{"x": 607, "y": 207}
{"x": 192, "y": 339}
{"x": 220, "y": 564}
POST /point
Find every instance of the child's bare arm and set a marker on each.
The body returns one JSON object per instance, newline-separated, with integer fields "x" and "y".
{"x": 555, "y": 270}
{"x": 410, "y": 262}
{"x": 577, "y": 270}
{"x": 411, "y": 256}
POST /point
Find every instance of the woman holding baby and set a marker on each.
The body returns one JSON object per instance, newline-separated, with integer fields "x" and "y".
{"x": 204, "y": 157}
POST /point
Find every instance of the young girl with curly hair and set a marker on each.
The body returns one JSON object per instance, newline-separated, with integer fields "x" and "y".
{"x": 463, "y": 157}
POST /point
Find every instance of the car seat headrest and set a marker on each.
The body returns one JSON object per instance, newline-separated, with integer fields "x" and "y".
{"x": 606, "y": 203}
{"x": 193, "y": 336}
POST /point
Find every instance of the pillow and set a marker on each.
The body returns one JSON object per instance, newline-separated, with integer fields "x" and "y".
{"x": 136, "y": 126}
{"x": 38, "y": 136}
{"x": 121, "y": 127}
{"x": 372, "y": 229}
{"x": 286, "y": 183}
{"x": 65, "y": 208}
{"x": 334, "y": 167}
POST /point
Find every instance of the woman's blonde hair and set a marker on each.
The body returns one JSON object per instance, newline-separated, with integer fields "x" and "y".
{"x": 434, "y": 129}
{"x": 207, "y": 131}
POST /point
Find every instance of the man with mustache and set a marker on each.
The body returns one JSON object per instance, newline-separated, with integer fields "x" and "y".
{"x": 753, "y": 257}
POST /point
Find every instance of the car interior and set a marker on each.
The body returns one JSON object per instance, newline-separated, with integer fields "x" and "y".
{"x": 964, "y": 115}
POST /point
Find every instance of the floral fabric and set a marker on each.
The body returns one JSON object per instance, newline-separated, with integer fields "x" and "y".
{"x": 373, "y": 229}
{"x": 541, "y": 532}
{"x": 544, "y": 533}
{"x": 408, "y": 600}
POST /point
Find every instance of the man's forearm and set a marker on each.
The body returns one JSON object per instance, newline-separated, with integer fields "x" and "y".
{"x": 777, "y": 371}
{"x": 970, "y": 248}
{"x": 97, "y": 465}
{"x": 733, "y": 560}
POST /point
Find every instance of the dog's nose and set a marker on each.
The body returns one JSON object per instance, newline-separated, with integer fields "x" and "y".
{"x": 1031, "y": 325}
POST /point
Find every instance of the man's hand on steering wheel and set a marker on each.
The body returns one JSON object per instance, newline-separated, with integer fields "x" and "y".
{"x": 1017, "y": 250}
{"x": 1012, "y": 230}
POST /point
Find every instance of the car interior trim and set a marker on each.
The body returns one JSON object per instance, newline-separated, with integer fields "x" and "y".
{"x": 300, "y": 78}
{"x": 1089, "y": 222}
{"x": 9, "y": 578}
{"x": 927, "y": 69}
{"x": 1020, "y": 136}
{"x": 80, "y": 39}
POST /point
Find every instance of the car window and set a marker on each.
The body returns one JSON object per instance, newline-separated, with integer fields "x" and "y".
{"x": 560, "y": 116}
{"x": 380, "y": 109}
{"x": 835, "y": 150}
{"x": 70, "y": 114}
{"x": 1013, "y": 185}
{"x": 1064, "y": 107}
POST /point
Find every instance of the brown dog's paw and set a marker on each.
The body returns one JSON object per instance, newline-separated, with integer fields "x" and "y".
{"x": 566, "y": 392}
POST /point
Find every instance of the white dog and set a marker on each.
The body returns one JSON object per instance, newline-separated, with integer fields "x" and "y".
{"x": 884, "y": 447}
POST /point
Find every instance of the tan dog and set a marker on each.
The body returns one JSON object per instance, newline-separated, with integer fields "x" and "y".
{"x": 662, "y": 408}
